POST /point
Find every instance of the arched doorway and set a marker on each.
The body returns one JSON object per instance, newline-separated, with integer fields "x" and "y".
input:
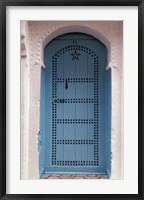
{"x": 75, "y": 107}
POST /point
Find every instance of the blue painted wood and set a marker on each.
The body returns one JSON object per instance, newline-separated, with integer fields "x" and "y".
{"x": 75, "y": 107}
{"x": 41, "y": 134}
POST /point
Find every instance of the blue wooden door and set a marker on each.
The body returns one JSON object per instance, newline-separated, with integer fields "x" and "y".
{"x": 75, "y": 107}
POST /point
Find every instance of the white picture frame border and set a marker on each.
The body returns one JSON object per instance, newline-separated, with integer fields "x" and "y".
{"x": 129, "y": 185}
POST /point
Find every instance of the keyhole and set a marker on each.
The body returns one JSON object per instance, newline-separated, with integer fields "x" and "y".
{"x": 66, "y": 84}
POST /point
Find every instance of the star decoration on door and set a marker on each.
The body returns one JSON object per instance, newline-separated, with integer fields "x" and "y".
{"x": 75, "y": 55}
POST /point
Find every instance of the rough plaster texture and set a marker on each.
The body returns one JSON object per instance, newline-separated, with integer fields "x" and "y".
{"x": 34, "y": 36}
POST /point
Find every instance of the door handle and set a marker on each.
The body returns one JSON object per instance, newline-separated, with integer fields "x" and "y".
{"x": 66, "y": 84}
{"x": 59, "y": 101}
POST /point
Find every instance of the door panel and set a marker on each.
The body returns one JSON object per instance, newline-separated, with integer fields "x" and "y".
{"x": 76, "y": 112}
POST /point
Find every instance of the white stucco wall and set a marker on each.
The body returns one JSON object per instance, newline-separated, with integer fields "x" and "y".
{"x": 34, "y": 36}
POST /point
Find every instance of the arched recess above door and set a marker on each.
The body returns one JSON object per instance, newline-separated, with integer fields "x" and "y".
{"x": 79, "y": 29}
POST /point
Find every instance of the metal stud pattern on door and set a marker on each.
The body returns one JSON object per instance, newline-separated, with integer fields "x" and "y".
{"x": 75, "y": 122}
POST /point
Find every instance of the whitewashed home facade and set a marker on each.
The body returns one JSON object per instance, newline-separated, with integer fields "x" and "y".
{"x": 55, "y": 148}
